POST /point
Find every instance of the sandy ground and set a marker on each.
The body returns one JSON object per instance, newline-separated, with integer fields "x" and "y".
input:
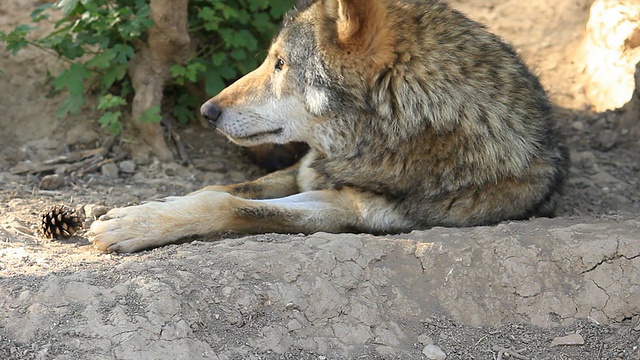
{"x": 475, "y": 293}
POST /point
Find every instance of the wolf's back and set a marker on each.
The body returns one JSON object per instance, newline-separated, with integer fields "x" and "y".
{"x": 454, "y": 124}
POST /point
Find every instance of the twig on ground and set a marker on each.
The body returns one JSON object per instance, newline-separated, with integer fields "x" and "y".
{"x": 482, "y": 338}
{"x": 175, "y": 137}
{"x": 75, "y": 160}
{"x": 97, "y": 163}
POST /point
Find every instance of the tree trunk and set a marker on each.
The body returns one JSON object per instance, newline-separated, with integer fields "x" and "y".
{"x": 168, "y": 43}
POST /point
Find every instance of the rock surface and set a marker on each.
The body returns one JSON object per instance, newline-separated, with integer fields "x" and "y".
{"x": 348, "y": 295}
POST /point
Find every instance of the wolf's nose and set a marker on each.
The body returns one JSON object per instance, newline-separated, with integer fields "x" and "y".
{"x": 210, "y": 112}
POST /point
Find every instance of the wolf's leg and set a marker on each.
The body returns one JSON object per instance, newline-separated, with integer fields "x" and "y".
{"x": 277, "y": 184}
{"x": 158, "y": 223}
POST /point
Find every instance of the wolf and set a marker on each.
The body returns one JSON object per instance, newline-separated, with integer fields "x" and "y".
{"x": 415, "y": 116}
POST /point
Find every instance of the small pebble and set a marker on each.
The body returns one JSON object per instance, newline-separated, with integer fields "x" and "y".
{"x": 127, "y": 166}
{"x": 433, "y": 352}
{"x": 110, "y": 170}
{"x": 425, "y": 339}
{"x": 573, "y": 339}
{"x": 584, "y": 159}
{"x": 607, "y": 140}
{"x": 51, "y": 182}
{"x": 94, "y": 211}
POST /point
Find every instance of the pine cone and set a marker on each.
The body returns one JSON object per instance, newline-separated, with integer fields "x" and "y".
{"x": 60, "y": 222}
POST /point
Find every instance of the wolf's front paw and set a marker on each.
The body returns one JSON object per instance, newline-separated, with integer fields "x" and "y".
{"x": 133, "y": 228}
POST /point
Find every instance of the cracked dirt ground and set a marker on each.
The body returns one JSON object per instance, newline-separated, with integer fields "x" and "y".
{"x": 472, "y": 292}
{"x": 339, "y": 296}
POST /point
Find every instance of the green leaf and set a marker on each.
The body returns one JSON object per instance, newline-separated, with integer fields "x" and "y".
{"x": 151, "y": 115}
{"x": 23, "y": 30}
{"x": 111, "y": 121}
{"x": 279, "y": 8}
{"x": 16, "y": 46}
{"x": 183, "y": 113}
{"x": 70, "y": 105}
{"x": 132, "y": 25}
{"x": 229, "y": 13}
{"x": 210, "y": 18}
{"x": 72, "y": 79}
{"x": 113, "y": 74}
{"x": 67, "y": 6}
{"x": 238, "y": 54}
{"x": 262, "y": 22}
{"x": 242, "y": 39}
{"x": 227, "y": 72}
{"x": 256, "y": 5}
{"x": 124, "y": 52}
{"x": 103, "y": 60}
{"x": 39, "y": 13}
{"x": 218, "y": 58}
{"x": 110, "y": 101}
{"x": 143, "y": 15}
{"x": 66, "y": 47}
{"x": 178, "y": 70}
{"x": 17, "y": 38}
{"x": 243, "y": 17}
{"x": 227, "y": 36}
{"x": 194, "y": 70}
{"x": 213, "y": 82}
{"x": 126, "y": 87}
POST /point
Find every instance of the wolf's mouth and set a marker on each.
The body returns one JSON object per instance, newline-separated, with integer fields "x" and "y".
{"x": 261, "y": 134}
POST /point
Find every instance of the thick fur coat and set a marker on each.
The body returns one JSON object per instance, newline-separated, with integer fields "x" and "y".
{"x": 415, "y": 115}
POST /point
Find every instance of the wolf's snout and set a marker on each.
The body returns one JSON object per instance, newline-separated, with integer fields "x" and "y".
{"x": 211, "y": 112}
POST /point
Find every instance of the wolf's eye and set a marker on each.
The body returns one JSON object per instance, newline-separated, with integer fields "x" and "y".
{"x": 279, "y": 64}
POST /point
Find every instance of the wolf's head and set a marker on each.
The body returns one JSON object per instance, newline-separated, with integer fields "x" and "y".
{"x": 324, "y": 50}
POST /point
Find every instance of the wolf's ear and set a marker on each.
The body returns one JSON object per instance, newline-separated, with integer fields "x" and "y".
{"x": 359, "y": 27}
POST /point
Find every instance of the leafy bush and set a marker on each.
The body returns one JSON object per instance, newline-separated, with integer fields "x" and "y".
{"x": 98, "y": 40}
